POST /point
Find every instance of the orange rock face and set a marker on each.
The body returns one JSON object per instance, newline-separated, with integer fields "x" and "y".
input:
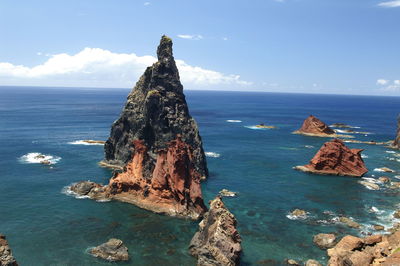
{"x": 314, "y": 127}
{"x": 335, "y": 158}
{"x": 170, "y": 186}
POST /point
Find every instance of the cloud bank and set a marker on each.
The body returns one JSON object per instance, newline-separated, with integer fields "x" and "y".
{"x": 395, "y": 3}
{"x": 95, "y": 67}
{"x": 389, "y": 86}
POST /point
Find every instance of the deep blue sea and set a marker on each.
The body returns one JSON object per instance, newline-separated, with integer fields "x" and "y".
{"x": 45, "y": 226}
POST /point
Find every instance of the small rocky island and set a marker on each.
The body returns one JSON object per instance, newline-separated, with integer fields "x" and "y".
{"x": 156, "y": 147}
{"x": 335, "y": 158}
{"x": 312, "y": 126}
{"x": 217, "y": 242}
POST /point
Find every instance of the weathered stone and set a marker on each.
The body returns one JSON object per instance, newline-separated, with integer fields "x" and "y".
{"x": 6, "y": 256}
{"x": 349, "y": 222}
{"x": 384, "y": 179}
{"x": 113, "y": 250}
{"x": 396, "y": 143}
{"x": 312, "y": 126}
{"x": 369, "y": 185}
{"x": 217, "y": 242}
{"x": 312, "y": 263}
{"x": 298, "y": 213}
{"x": 226, "y": 193}
{"x": 335, "y": 158}
{"x": 324, "y": 241}
{"x": 378, "y": 227}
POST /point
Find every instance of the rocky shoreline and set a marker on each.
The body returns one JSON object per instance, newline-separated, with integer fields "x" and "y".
{"x": 6, "y": 256}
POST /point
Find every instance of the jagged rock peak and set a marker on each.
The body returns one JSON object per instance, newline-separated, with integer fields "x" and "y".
{"x": 396, "y": 142}
{"x": 156, "y": 112}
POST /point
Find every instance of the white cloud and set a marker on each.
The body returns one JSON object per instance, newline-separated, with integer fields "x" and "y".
{"x": 382, "y": 82}
{"x": 395, "y": 3}
{"x": 95, "y": 67}
{"x": 389, "y": 87}
{"x": 195, "y": 37}
{"x": 146, "y": 3}
{"x": 225, "y": 38}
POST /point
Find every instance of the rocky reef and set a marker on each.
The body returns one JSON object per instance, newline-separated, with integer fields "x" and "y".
{"x": 217, "y": 241}
{"x": 335, "y": 158}
{"x": 6, "y": 256}
{"x": 396, "y": 142}
{"x": 312, "y": 126}
{"x": 113, "y": 250}
{"x": 156, "y": 146}
{"x": 371, "y": 250}
{"x": 155, "y": 113}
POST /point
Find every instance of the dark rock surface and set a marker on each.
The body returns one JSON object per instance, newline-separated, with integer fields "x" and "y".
{"x": 6, "y": 256}
{"x": 335, "y": 158}
{"x": 113, "y": 250}
{"x": 396, "y": 142}
{"x": 217, "y": 242}
{"x": 156, "y": 113}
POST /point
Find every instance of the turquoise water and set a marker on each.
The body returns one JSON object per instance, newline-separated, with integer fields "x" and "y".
{"x": 47, "y": 227}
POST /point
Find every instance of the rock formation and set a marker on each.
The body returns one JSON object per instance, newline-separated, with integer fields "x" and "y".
{"x": 113, "y": 250}
{"x": 335, "y": 158}
{"x": 324, "y": 241}
{"x": 6, "y": 256}
{"x": 217, "y": 242}
{"x": 396, "y": 142}
{"x": 312, "y": 126}
{"x": 371, "y": 250}
{"x": 157, "y": 146}
{"x": 155, "y": 113}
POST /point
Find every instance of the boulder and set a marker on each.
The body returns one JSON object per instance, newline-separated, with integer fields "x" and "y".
{"x": 324, "y": 241}
{"x": 312, "y": 126}
{"x": 113, "y": 250}
{"x": 369, "y": 185}
{"x": 349, "y": 222}
{"x": 312, "y": 263}
{"x": 6, "y": 256}
{"x": 226, "y": 193}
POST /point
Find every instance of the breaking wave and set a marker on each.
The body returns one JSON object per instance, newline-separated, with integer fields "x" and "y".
{"x": 37, "y": 157}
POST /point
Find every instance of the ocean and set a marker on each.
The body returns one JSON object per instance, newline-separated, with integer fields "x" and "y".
{"x": 46, "y": 226}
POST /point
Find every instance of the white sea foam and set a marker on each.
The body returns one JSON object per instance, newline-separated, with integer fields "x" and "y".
{"x": 256, "y": 128}
{"x": 212, "y": 154}
{"x": 297, "y": 217}
{"x": 67, "y": 191}
{"x": 234, "y": 121}
{"x": 36, "y": 157}
{"x": 390, "y": 151}
{"x": 397, "y": 176}
{"x": 364, "y": 156}
{"x": 309, "y": 146}
{"x": 371, "y": 180}
{"x": 84, "y": 142}
{"x": 378, "y": 170}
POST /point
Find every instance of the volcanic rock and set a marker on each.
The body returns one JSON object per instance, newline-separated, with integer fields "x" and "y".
{"x": 335, "y": 158}
{"x": 6, "y": 256}
{"x": 156, "y": 112}
{"x": 217, "y": 242}
{"x": 156, "y": 145}
{"x": 312, "y": 126}
{"x": 113, "y": 250}
{"x": 324, "y": 241}
{"x": 372, "y": 250}
{"x": 396, "y": 143}
{"x": 90, "y": 189}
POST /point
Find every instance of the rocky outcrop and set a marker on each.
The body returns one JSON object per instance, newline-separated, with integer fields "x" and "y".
{"x": 113, "y": 250}
{"x": 6, "y": 256}
{"x": 312, "y": 126}
{"x": 172, "y": 187}
{"x": 217, "y": 242}
{"x": 156, "y": 146}
{"x": 335, "y": 158}
{"x": 371, "y": 250}
{"x": 155, "y": 113}
{"x": 396, "y": 143}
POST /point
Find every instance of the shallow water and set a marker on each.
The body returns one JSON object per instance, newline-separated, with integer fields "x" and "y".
{"x": 46, "y": 227}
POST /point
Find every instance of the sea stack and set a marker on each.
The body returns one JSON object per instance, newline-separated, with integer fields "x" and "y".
{"x": 396, "y": 143}
{"x": 335, "y": 158}
{"x": 217, "y": 242}
{"x": 156, "y": 146}
{"x": 155, "y": 113}
{"x": 312, "y": 126}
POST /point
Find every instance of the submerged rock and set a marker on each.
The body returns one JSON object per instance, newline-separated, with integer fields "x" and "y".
{"x": 91, "y": 190}
{"x": 217, "y": 242}
{"x": 292, "y": 262}
{"x": 312, "y": 263}
{"x": 298, "y": 213}
{"x": 349, "y": 222}
{"x": 384, "y": 169}
{"x": 156, "y": 145}
{"x": 312, "y": 126}
{"x": 6, "y": 256}
{"x": 335, "y": 158}
{"x": 226, "y": 193}
{"x": 113, "y": 250}
{"x": 324, "y": 241}
{"x": 384, "y": 179}
{"x": 369, "y": 185}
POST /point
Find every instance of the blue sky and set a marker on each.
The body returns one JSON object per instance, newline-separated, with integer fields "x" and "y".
{"x": 318, "y": 46}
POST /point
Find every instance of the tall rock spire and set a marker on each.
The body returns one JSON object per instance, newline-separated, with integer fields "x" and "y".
{"x": 156, "y": 113}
